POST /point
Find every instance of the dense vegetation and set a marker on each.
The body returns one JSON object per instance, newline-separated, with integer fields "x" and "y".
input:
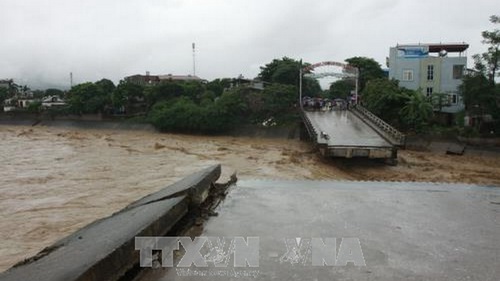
{"x": 480, "y": 92}
{"x": 197, "y": 107}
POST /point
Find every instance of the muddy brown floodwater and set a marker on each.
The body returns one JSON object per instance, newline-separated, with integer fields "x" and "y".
{"x": 54, "y": 181}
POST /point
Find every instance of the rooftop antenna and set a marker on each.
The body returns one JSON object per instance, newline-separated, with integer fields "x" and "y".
{"x": 194, "y": 60}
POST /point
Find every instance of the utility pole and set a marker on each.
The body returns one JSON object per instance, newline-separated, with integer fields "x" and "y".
{"x": 71, "y": 80}
{"x": 300, "y": 85}
{"x": 194, "y": 60}
{"x": 356, "y": 95}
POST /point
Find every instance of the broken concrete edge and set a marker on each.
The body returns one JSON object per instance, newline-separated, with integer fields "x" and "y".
{"x": 196, "y": 186}
{"x": 105, "y": 249}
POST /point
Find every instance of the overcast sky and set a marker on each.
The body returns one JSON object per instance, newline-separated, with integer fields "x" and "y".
{"x": 42, "y": 41}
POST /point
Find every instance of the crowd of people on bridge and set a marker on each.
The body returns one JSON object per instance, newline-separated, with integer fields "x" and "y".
{"x": 325, "y": 104}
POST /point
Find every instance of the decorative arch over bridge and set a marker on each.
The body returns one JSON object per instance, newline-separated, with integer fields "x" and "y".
{"x": 347, "y": 70}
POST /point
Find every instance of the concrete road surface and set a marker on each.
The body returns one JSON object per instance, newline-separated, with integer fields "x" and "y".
{"x": 405, "y": 231}
{"x": 345, "y": 128}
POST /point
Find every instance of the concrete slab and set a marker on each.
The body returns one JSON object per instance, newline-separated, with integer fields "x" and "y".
{"x": 195, "y": 185}
{"x": 407, "y": 231}
{"x": 345, "y": 129}
{"x": 455, "y": 149}
{"x": 105, "y": 249}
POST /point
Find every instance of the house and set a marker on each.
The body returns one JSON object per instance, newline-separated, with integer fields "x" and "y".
{"x": 6, "y": 83}
{"x": 24, "y": 102}
{"x": 149, "y": 79}
{"x": 431, "y": 68}
{"x": 143, "y": 80}
{"x": 180, "y": 78}
{"x": 9, "y": 105}
{"x": 52, "y": 101}
{"x": 253, "y": 84}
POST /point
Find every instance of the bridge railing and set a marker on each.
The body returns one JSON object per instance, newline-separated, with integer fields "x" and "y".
{"x": 395, "y": 136}
{"x": 311, "y": 129}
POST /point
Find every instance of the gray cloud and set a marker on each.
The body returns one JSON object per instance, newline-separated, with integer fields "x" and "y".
{"x": 44, "y": 40}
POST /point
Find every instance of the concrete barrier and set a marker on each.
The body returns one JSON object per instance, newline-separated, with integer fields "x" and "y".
{"x": 105, "y": 249}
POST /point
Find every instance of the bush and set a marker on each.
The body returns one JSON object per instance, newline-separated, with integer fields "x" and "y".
{"x": 184, "y": 115}
{"x": 34, "y": 107}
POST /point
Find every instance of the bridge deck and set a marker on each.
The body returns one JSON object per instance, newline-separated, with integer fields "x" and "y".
{"x": 345, "y": 129}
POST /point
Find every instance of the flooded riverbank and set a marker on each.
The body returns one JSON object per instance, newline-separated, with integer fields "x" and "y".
{"x": 55, "y": 180}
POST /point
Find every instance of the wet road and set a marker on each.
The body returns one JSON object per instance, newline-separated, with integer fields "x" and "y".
{"x": 406, "y": 231}
{"x": 345, "y": 129}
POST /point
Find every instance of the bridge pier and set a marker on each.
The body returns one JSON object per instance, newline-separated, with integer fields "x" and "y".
{"x": 303, "y": 134}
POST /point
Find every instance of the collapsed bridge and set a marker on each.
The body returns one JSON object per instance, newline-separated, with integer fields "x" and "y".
{"x": 354, "y": 132}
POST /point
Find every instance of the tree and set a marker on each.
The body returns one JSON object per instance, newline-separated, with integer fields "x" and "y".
{"x": 480, "y": 93}
{"x": 385, "y": 99}
{"x": 34, "y": 107}
{"x": 4, "y": 93}
{"x": 127, "y": 95}
{"x": 438, "y": 100}
{"x": 368, "y": 68}
{"x": 311, "y": 87}
{"x": 217, "y": 86}
{"x": 184, "y": 115}
{"x": 105, "y": 86}
{"x": 341, "y": 88}
{"x": 193, "y": 89}
{"x": 417, "y": 111}
{"x": 88, "y": 98}
{"x": 283, "y": 71}
{"x": 475, "y": 90}
{"x": 489, "y": 61}
{"x": 38, "y": 94}
{"x": 181, "y": 115}
{"x": 166, "y": 90}
{"x": 286, "y": 71}
{"x": 278, "y": 104}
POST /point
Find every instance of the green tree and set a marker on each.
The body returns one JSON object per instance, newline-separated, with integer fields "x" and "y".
{"x": 217, "y": 86}
{"x": 417, "y": 111}
{"x": 105, "y": 86}
{"x": 88, "y": 98}
{"x": 368, "y": 68}
{"x": 184, "y": 115}
{"x": 279, "y": 104}
{"x": 476, "y": 90}
{"x": 180, "y": 115}
{"x": 127, "y": 95}
{"x": 164, "y": 91}
{"x": 34, "y": 107}
{"x": 488, "y": 62}
{"x": 341, "y": 88}
{"x": 438, "y": 101}
{"x": 229, "y": 110}
{"x": 385, "y": 98}
{"x": 4, "y": 93}
{"x": 311, "y": 87}
{"x": 480, "y": 93}
{"x": 283, "y": 71}
{"x": 38, "y": 94}
{"x": 286, "y": 71}
{"x": 193, "y": 90}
